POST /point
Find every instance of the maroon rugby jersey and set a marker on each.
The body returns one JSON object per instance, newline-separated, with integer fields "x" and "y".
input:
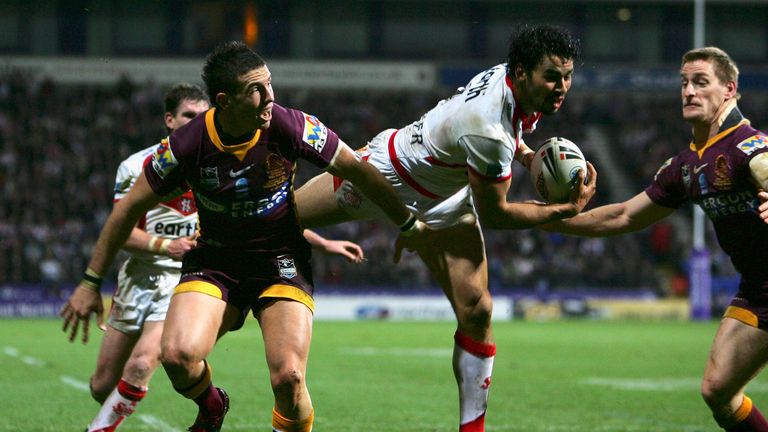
{"x": 718, "y": 179}
{"x": 244, "y": 192}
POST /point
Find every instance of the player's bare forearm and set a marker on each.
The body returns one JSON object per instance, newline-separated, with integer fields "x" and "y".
{"x": 372, "y": 184}
{"x": 113, "y": 236}
{"x": 497, "y": 213}
{"x": 141, "y": 241}
{"x": 378, "y": 190}
{"x": 612, "y": 219}
{"x": 517, "y": 215}
{"x": 137, "y": 241}
{"x": 121, "y": 223}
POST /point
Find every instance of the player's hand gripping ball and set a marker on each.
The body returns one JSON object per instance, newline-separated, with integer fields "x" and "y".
{"x": 555, "y": 168}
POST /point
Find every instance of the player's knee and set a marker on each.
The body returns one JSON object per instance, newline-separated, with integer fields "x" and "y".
{"x": 99, "y": 390}
{"x": 477, "y": 311}
{"x": 140, "y": 368}
{"x": 715, "y": 393}
{"x": 174, "y": 356}
{"x": 287, "y": 383}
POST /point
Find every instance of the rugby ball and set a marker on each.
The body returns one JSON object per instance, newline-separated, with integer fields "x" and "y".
{"x": 555, "y": 168}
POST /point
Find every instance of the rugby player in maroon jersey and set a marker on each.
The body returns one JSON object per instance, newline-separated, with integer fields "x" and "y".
{"x": 239, "y": 160}
{"x": 724, "y": 170}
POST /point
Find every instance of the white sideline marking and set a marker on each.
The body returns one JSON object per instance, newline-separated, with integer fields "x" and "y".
{"x": 32, "y": 361}
{"x": 156, "y": 423}
{"x": 418, "y": 352}
{"x": 645, "y": 384}
{"x": 14, "y": 352}
{"x": 151, "y": 421}
{"x": 76, "y": 383}
{"x": 658, "y": 384}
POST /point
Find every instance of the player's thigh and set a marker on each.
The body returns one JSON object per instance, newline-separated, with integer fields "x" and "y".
{"x": 456, "y": 259}
{"x": 316, "y": 203}
{"x": 738, "y": 353}
{"x": 116, "y": 348}
{"x": 193, "y": 323}
{"x": 286, "y": 327}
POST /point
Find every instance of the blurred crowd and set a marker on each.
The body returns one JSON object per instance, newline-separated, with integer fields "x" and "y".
{"x": 60, "y": 146}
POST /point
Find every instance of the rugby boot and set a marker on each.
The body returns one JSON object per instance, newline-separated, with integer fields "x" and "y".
{"x": 211, "y": 422}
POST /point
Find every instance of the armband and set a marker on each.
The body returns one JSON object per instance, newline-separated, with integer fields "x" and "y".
{"x": 92, "y": 280}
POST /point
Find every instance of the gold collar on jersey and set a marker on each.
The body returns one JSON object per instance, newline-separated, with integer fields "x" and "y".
{"x": 238, "y": 150}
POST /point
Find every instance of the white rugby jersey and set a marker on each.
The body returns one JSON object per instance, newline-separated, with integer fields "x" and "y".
{"x": 479, "y": 128}
{"x": 174, "y": 218}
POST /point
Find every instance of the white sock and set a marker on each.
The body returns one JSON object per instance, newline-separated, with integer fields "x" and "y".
{"x": 120, "y": 404}
{"x": 473, "y": 364}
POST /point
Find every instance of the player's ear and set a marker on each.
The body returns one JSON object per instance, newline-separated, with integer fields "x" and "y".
{"x": 731, "y": 89}
{"x": 168, "y": 117}
{"x": 518, "y": 72}
{"x": 222, "y": 100}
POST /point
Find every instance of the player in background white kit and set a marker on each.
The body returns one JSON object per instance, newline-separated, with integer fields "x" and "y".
{"x": 130, "y": 349}
{"x": 453, "y": 166}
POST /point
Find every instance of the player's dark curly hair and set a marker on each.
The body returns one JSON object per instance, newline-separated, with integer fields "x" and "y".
{"x": 179, "y": 93}
{"x": 225, "y": 64}
{"x": 529, "y": 45}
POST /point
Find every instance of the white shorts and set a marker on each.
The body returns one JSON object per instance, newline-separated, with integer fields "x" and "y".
{"x": 143, "y": 294}
{"x": 437, "y": 213}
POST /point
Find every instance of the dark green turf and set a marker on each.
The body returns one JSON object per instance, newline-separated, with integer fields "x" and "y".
{"x": 396, "y": 376}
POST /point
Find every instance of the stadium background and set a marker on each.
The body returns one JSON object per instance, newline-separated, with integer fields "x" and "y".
{"x": 81, "y": 86}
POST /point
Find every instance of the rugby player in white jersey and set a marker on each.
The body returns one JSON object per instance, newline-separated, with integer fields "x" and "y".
{"x": 130, "y": 349}
{"x": 452, "y": 167}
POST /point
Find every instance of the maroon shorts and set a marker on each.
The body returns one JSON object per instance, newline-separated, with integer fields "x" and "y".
{"x": 247, "y": 280}
{"x": 750, "y": 306}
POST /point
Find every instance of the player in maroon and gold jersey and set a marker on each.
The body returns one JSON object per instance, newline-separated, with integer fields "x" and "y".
{"x": 724, "y": 171}
{"x": 239, "y": 160}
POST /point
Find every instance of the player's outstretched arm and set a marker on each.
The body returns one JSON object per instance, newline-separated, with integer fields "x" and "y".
{"x": 86, "y": 299}
{"x": 632, "y": 215}
{"x": 142, "y": 241}
{"x": 373, "y": 185}
{"x": 497, "y": 213}
{"x": 349, "y": 250}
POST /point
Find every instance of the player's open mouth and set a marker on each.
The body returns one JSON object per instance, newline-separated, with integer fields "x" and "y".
{"x": 266, "y": 115}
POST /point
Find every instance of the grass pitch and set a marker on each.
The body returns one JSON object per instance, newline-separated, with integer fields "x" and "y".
{"x": 396, "y": 376}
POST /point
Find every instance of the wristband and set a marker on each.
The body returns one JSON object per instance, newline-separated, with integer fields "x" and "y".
{"x": 416, "y": 227}
{"x": 524, "y": 153}
{"x": 409, "y": 223}
{"x": 92, "y": 280}
{"x": 160, "y": 248}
